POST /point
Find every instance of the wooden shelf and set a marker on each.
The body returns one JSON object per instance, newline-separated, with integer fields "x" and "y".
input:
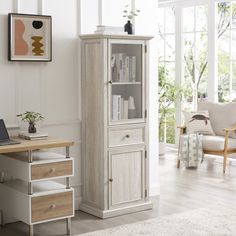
{"x": 126, "y": 83}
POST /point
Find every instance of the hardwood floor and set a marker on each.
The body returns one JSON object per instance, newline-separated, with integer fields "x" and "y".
{"x": 181, "y": 190}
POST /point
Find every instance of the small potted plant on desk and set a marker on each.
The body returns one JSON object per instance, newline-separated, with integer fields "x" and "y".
{"x": 32, "y": 118}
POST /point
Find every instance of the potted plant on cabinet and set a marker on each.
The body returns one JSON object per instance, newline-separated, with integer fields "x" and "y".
{"x": 32, "y": 118}
{"x": 168, "y": 95}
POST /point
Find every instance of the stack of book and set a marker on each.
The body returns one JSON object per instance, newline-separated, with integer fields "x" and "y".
{"x": 32, "y": 136}
{"x": 120, "y": 108}
{"x": 123, "y": 67}
{"x": 103, "y": 29}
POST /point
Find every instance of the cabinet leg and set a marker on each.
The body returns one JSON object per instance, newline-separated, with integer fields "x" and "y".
{"x": 31, "y": 230}
{"x": 68, "y": 226}
{"x": 2, "y": 218}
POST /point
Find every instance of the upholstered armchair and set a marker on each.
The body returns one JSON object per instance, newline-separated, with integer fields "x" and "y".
{"x": 223, "y": 122}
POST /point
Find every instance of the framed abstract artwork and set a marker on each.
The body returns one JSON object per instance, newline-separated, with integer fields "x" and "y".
{"x": 30, "y": 37}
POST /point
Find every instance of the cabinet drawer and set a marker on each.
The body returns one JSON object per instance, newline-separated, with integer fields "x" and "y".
{"x": 52, "y": 206}
{"x": 119, "y": 137}
{"x": 50, "y": 170}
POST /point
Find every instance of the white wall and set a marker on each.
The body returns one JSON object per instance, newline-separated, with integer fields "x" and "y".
{"x": 50, "y": 88}
{"x": 145, "y": 23}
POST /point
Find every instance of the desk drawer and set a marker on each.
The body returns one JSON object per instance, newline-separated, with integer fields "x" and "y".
{"x": 52, "y": 206}
{"x": 120, "y": 137}
{"x": 50, "y": 170}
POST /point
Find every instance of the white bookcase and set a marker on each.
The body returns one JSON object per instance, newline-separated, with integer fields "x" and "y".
{"x": 115, "y": 158}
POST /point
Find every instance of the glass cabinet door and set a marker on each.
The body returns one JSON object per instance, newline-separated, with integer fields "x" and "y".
{"x": 126, "y": 81}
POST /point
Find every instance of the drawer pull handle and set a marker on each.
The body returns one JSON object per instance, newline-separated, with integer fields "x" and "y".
{"x": 111, "y": 180}
{"x": 110, "y": 82}
{"x": 127, "y": 136}
{"x": 53, "y": 206}
{"x": 52, "y": 170}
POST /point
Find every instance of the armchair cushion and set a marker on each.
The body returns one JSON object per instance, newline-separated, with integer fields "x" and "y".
{"x": 222, "y": 115}
{"x": 216, "y": 143}
{"x": 198, "y": 122}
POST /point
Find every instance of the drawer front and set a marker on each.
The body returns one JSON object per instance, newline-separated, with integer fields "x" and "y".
{"x": 50, "y": 170}
{"x": 52, "y": 206}
{"x": 121, "y": 137}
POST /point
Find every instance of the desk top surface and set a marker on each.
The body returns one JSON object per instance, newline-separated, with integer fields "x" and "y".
{"x": 30, "y": 145}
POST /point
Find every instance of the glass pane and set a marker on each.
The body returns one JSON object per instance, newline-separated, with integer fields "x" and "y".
{"x": 169, "y": 20}
{"x": 188, "y": 19}
{"x": 170, "y": 72}
{"x": 234, "y": 76}
{"x": 202, "y": 75}
{"x": 160, "y": 48}
{"x": 170, "y": 48}
{"x": 224, "y": 44}
{"x": 224, "y": 79}
{"x": 234, "y": 15}
{"x": 160, "y": 20}
{"x": 201, "y": 16}
{"x": 188, "y": 85}
{"x": 126, "y": 81}
{"x": 233, "y": 45}
{"x": 201, "y": 46}
{"x": 223, "y": 17}
{"x": 189, "y": 47}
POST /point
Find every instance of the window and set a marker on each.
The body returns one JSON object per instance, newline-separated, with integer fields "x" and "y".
{"x": 166, "y": 64}
{"x": 195, "y": 61}
{"x": 226, "y": 35}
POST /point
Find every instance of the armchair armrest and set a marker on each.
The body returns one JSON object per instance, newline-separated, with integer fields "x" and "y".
{"x": 182, "y": 129}
{"x": 231, "y": 128}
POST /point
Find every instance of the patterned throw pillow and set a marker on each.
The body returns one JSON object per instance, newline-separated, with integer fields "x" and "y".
{"x": 198, "y": 122}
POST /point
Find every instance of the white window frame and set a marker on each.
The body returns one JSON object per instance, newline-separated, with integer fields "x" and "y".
{"x": 212, "y": 59}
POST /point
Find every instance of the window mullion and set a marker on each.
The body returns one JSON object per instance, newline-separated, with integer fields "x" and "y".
{"x": 212, "y": 88}
{"x": 230, "y": 51}
{"x": 178, "y": 62}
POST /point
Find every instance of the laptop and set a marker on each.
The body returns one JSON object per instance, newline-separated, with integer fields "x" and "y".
{"x": 4, "y": 136}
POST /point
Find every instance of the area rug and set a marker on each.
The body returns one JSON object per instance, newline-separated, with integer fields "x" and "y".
{"x": 213, "y": 221}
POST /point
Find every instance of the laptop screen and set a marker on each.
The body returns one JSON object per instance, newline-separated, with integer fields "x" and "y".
{"x": 3, "y": 131}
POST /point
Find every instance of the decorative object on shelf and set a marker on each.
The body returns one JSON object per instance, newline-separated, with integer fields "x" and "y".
{"x": 128, "y": 27}
{"x": 132, "y": 108}
{"x": 129, "y": 14}
{"x": 31, "y": 117}
{"x": 30, "y": 37}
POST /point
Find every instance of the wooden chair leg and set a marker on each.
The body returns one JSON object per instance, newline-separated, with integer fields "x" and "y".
{"x": 225, "y": 162}
{"x": 178, "y": 163}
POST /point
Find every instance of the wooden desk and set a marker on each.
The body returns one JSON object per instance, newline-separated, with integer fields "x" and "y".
{"x": 36, "y": 197}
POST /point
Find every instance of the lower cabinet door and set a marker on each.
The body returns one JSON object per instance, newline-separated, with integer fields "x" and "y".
{"x": 126, "y": 177}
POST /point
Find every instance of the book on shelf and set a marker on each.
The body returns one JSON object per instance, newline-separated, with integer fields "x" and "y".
{"x": 32, "y": 136}
{"x": 133, "y": 69}
{"x": 120, "y": 108}
{"x": 123, "y": 67}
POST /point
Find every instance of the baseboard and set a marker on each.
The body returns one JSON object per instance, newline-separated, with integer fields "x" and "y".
{"x": 115, "y": 212}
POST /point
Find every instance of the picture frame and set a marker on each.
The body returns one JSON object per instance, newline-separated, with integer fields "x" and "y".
{"x": 29, "y": 37}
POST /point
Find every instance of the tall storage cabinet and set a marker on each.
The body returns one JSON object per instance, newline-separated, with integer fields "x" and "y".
{"x": 115, "y": 169}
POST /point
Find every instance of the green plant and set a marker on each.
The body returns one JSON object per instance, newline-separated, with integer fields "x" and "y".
{"x": 169, "y": 94}
{"x": 130, "y": 14}
{"x": 31, "y": 117}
